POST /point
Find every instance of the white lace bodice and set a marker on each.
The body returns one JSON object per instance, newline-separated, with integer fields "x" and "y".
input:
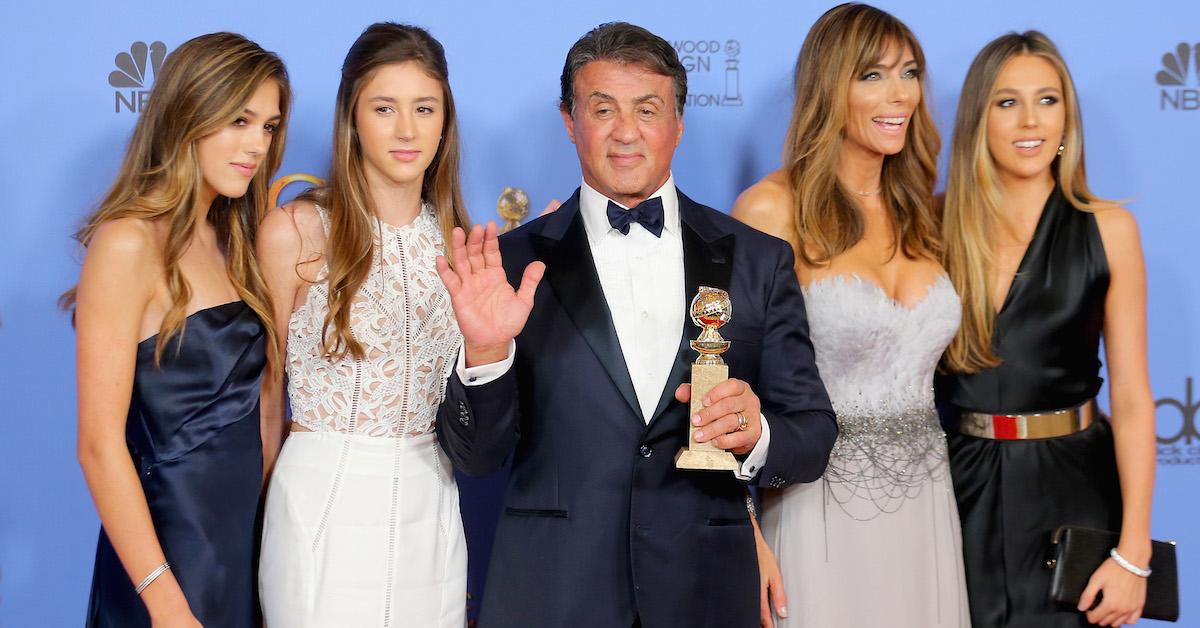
{"x": 877, "y": 358}
{"x": 403, "y": 318}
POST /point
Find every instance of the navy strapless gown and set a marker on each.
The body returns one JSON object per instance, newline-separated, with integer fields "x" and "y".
{"x": 193, "y": 433}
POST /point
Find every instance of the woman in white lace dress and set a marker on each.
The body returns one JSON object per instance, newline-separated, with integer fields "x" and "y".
{"x": 362, "y": 525}
{"x": 875, "y": 541}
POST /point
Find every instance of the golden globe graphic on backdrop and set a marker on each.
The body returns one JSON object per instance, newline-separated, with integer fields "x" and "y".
{"x": 714, "y": 71}
{"x": 132, "y": 77}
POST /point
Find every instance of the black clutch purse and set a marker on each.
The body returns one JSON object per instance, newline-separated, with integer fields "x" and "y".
{"x": 1076, "y": 552}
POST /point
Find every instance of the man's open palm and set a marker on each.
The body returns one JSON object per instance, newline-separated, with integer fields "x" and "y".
{"x": 489, "y": 312}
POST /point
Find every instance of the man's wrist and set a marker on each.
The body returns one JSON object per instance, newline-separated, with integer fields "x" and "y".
{"x": 478, "y": 355}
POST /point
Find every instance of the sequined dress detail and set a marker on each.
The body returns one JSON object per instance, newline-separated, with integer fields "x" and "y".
{"x": 883, "y": 517}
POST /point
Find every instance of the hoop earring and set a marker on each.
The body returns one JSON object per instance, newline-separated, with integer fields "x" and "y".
{"x": 1061, "y": 148}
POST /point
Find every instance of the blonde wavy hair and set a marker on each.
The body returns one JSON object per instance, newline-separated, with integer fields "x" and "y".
{"x": 203, "y": 85}
{"x": 351, "y": 243}
{"x": 840, "y": 46}
{"x": 973, "y": 212}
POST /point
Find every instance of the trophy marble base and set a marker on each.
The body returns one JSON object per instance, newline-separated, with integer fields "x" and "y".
{"x": 719, "y": 460}
{"x": 704, "y": 456}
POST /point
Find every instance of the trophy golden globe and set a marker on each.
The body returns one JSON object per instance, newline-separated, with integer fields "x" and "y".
{"x": 710, "y": 310}
{"x": 513, "y": 207}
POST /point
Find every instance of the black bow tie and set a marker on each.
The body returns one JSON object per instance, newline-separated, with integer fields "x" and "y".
{"x": 649, "y": 213}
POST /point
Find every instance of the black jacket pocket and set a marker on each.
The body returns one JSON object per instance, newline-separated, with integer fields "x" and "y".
{"x": 729, "y": 521}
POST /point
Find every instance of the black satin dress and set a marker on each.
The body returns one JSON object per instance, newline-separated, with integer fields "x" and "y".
{"x": 1013, "y": 494}
{"x": 193, "y": 433}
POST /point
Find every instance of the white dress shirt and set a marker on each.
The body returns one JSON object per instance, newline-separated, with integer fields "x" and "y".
{"x": 643, "y": 282}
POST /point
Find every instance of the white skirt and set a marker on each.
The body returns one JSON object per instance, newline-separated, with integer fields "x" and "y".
{"x": 362, "y": 531}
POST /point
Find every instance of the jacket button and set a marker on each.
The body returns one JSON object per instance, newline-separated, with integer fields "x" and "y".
{"x": 646, "y": 451}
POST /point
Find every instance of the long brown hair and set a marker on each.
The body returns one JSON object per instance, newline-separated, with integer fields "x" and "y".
{"x": 351, "y": 243}
{"x": 973, "y": 191}
{"x": 203, "y": 85}
{"x": 841, "y": 45}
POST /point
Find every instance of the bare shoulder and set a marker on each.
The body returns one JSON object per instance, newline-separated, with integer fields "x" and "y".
{"x": 132, "y": 241}
{"x": 289, "y": 230}
{"x": 1119, "y": 233}
{"x": 1115, "y": 220}
{"x": 124, "y": 262}
{"x": 766, "y": 206}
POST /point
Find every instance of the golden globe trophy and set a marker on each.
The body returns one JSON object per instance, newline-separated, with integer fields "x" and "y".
{"x": 710, "y": 310}
{"x": 513, "y": 207}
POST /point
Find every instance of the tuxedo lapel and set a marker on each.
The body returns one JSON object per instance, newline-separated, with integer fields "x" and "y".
{"x": 707, "y": 261}
{"x": 571, "y": 272}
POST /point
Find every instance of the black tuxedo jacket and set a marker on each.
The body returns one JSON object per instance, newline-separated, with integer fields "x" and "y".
{"x": 599, "y": 527}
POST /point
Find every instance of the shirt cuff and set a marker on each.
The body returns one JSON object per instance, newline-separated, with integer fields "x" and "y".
{"x": 484, "y": 373}
{"x": 758, "y": 456}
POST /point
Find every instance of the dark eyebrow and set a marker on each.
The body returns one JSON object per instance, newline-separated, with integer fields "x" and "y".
{"x": 639, "y": 100}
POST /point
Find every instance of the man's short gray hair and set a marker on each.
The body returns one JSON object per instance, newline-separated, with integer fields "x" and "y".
{"x": 623, "y": 43}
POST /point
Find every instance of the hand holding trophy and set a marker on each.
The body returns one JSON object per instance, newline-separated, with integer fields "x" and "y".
{"x": 710, "y": 309}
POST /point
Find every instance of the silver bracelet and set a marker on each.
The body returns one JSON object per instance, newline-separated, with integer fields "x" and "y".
{"x": 1128, "y": 566}
{"x": 158, "y": 571}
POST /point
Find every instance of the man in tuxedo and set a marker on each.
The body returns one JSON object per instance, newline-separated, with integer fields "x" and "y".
{"x": 599, "y": 528}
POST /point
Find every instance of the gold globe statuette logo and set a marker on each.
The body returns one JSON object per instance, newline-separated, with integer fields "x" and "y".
{"x": 513, "y": 207}
{"x": 710, "y": 309}
{"x": 288, "y": 179}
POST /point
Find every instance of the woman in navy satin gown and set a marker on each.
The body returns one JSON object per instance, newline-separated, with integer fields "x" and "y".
{"x": 173, "y": 332}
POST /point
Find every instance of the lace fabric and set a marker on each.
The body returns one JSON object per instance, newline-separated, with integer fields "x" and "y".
{"x": 877, "y": 358}
{"x": 403, "y": 318}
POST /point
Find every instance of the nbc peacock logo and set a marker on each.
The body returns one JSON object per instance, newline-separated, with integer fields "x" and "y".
{"x": 134, "y": 73}
{"x": 1180, "y": 68}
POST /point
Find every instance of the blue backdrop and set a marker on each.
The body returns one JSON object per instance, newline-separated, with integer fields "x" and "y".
{"x": 67, "y": 115}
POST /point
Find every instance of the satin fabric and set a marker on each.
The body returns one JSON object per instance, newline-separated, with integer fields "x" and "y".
{"x": 1048, "y": 329}
{"x": 1011, "y": 497}
{"x": 1013, "y": 494}
{"x": 193, "y": 434}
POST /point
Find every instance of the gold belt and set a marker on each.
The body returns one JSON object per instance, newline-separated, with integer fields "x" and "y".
{"x": 1050, "y": 424}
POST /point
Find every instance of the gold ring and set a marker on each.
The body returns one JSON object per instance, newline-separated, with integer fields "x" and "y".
{"x": 742, "y": 422}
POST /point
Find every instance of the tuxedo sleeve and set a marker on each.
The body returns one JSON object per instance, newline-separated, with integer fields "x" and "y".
{"x": 477, "y": 425}
{"x": 794, "y": 400}
{"x": 479, "y": 421}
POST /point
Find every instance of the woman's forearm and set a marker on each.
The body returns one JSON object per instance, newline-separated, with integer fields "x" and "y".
{"x": 1134, "y": 440}
{"x": 121, "y": 503}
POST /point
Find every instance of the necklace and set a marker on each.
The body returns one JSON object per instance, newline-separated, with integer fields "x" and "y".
{"x": 872, "y": 193}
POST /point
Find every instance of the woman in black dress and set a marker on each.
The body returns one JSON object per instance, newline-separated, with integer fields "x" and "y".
{"x": 1044, "y": 269}
{"x": 173, "y": 330}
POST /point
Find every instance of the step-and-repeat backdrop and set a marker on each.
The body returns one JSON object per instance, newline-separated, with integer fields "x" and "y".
{"x": 79, "y": 73}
